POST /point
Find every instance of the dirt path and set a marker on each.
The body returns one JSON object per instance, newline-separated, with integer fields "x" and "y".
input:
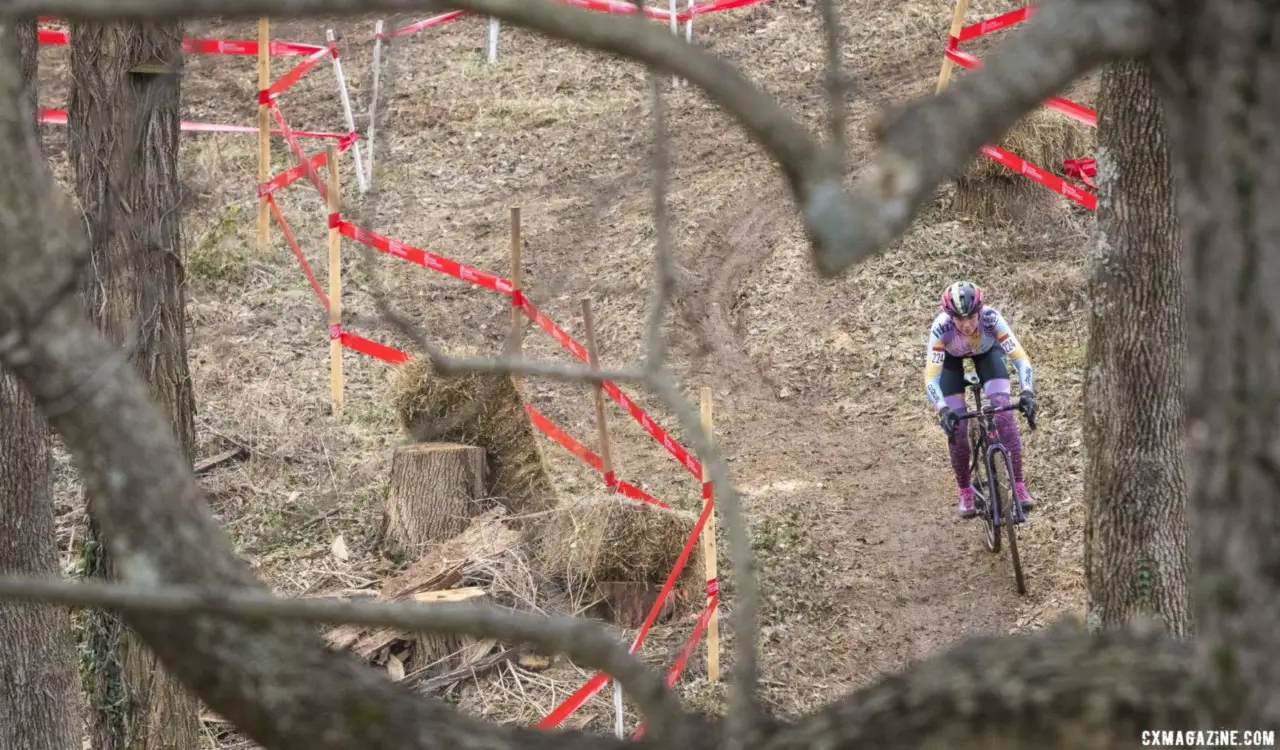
{"x": 864, "y": 563}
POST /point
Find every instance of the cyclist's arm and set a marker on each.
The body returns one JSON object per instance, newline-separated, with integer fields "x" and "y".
{"x": 1011, "y": 346}
{"x": 935, "y": 355}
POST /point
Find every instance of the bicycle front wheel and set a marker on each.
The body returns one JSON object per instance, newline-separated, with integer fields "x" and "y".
{"x": 1006, "y": 510}
{"x": 987, "y": 505}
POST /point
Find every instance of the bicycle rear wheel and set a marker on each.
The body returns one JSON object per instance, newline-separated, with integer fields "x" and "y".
{"x": 1002, "y": 483}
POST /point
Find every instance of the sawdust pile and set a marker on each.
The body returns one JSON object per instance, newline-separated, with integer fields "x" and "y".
{"x": 480, "y": 409}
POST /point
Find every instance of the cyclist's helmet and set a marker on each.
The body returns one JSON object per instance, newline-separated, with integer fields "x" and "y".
{"x": 962, "y": 299}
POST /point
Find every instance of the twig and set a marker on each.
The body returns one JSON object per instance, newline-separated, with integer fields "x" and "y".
{"x": 837, "y": 115}
{"x": 581, "y": 640}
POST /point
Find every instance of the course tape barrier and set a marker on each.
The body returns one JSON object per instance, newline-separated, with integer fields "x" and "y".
{"x": 62, "y": 37}
{"x": 1082, "y": 169}
{"x": 677, "y": 666}
{"x": 475, "y": 276}
{"x": 1048, "y": 179}
{"x": 593, "y": 685}
{"x": 292, "y": 76}
{"x": 297, "y": 252}
{"x": 59, "y": 117}
{"x": 309, "y": 166}
{"x": 1071, "y": 109}
{"x": 614, "y": 7}
{"x": 1002, "y": 21}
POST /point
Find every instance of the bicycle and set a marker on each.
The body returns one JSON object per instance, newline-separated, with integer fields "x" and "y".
{"x": 984, "y": 444}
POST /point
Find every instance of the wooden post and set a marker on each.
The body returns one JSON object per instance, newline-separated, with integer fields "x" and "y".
{"x": 515, "y": 344}
{"x": 709, "y": 552}
{"x": 957, "y": 23}
{"x": 606, "y": 453}
{"x": 264, "y": 130}
{"x": 335, "y": 285}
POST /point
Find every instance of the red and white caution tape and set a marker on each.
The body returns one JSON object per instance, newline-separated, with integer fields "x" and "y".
{"x": 62, "y": 37}
{"x": 424, "y": 258}
{"x": 592, "y": 686}
{"x": 1065, "y": 106}
{"x": 1002, "y": 21}
{"x": 59, "y": 117}
{"x": 615, "y": 7}
{"x": 291, "y": 77}
{"x": 1038, "y": 174}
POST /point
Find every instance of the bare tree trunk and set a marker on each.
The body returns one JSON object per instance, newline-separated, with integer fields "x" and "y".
{"x": 1219, "y": 78}
{"x": 39, "y": 705}
{"x": 1135, "y": 552}
{"x": 125, "y": 130}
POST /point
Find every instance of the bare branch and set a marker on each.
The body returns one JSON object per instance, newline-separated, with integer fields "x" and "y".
{"x": 837, "y": 114}
{"x": 277, "y": 681}
{"x": 664, "y": 274}
{"x": 583, "y": 641}
{"x": 1058, "y": 689}
{"x": 929, "y": 140}
{"x": 782, "y": 134}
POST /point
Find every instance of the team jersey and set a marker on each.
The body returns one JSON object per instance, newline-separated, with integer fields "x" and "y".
{"x": 945, "y": 338}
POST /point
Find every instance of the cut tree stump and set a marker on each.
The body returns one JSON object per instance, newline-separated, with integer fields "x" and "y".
{"x": 435, "y": 492}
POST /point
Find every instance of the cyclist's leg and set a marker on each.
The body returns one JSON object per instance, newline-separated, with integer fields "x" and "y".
{"x": 995, "y": 383}
{"x": 952, "y": 383}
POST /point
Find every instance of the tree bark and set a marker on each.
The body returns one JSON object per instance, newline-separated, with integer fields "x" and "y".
{"x": 435, "y": 492}
{"x": 275, "y": 681}
{"x": 1135, "y": 552}
{"x": 1220, "y": 77}
{"x": 124, "y": 147}
{"x": 39, "y": 706}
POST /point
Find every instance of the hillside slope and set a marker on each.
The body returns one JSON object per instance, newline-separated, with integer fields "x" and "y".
{"x": 819, "y": 401}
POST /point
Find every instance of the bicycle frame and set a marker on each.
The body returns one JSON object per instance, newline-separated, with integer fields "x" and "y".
{"x": 991, "y": 445}
{"x": 986, "y": 443}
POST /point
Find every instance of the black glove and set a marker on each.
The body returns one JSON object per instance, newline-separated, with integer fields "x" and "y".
{"x": 949, "y": 421}
{"x": 1027, "y": 405}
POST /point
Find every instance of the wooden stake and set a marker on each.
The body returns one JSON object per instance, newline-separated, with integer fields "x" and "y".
{"x": 606, "y": 453}
{"x": 957, "y": 23}
{"x": 264, "y": 130}
{"x": 709, "y": 552}
{"x": 515, "y": 344}
{"x": 335, "y": 285}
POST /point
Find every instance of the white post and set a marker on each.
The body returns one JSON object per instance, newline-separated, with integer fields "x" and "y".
{"x": 688, "y": 25}
{"x": 617, "y": 710}
{"x": 493, "y": 40}
{"x": 373, "y": 97}
{"x": 675, "y": 31}
{"x": 346, "y": 108}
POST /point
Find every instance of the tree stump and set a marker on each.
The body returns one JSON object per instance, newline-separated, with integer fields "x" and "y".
{"x": 435, "y": 492}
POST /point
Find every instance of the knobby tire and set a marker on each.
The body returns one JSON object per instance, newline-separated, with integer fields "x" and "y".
{"x": 1009, "y": 519}
{"x": 982, "y": 482}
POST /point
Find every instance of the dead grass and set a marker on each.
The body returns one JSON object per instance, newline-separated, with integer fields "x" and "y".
{"x": 482, "y": 410}
{"x": 608, "y": 538}
{"x": 845, "y": 473}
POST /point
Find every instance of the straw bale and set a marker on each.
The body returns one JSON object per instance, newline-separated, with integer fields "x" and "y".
{"x": 480, "y": 409}
{"x": 1044, "y": 138}
{"x": 602, "y": 540}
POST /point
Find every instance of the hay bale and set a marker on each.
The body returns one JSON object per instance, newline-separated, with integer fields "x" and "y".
{"x": 604, "y": 542}
{"x": 483, "y": 410}
{"x": 1044, "y": 138}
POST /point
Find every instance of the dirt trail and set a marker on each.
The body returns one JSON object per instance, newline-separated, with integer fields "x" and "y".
{"x": 884, "y": 563}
